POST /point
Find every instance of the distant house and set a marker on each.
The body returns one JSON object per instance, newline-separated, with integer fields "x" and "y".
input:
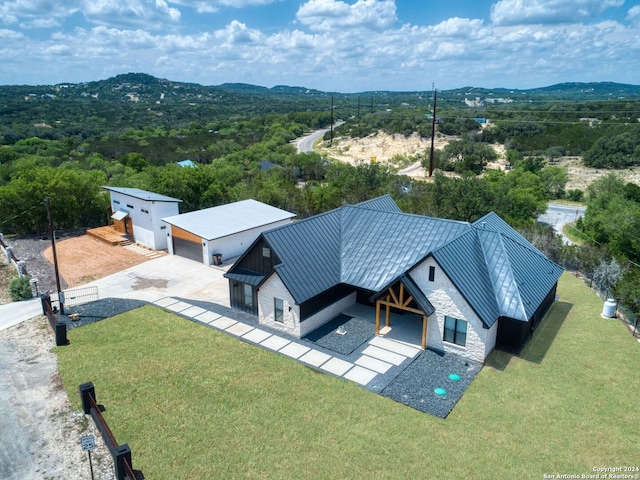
{"x": 139, "y": 214}
{"x": 222, "y": 232}
{"x": 187, "y": 163}
{"x": 473, "y": 286}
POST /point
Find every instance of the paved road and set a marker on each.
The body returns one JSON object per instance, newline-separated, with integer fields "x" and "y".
{"x": 558, "y": 216}
{"x": 305, "y": 144}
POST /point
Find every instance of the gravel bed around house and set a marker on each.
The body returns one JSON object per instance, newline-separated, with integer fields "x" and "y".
{"x": 98, "y": 310}
{"x": 358, "y": 332}
{"x": 416, "y": 385}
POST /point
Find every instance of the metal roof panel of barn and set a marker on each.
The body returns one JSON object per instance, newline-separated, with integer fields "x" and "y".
{"x": 142, "y": 194}
{"x": 224, "y": 220}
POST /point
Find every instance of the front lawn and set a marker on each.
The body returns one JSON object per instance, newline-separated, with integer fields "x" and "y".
{"x": 194, "y": 403}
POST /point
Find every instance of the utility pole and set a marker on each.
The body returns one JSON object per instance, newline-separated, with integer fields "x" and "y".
{"x": 433, "y": 132}
{"x": 55, "y": 256}
{"x": 331, "y": 142}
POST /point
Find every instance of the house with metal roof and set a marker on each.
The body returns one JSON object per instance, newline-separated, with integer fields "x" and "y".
{"x": 473, "y": 286}
{"x": 222, "y": 232}
{"x": 139, "y": 213}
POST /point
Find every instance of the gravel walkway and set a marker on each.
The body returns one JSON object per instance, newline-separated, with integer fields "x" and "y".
{"x": 416, "y": 384}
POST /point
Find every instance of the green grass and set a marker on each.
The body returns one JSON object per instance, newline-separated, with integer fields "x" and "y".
{"x": 193, "y": 403}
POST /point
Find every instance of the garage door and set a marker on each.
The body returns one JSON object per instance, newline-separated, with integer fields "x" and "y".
{"x": 188, "y": 249}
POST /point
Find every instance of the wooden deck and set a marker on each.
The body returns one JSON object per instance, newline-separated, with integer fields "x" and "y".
{"x": 109, "y": 235}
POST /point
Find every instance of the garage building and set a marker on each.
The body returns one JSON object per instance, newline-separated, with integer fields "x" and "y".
{"x": 222, "y": 232}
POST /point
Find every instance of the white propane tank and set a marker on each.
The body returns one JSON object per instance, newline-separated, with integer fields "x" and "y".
{"x": 609, "y": 309}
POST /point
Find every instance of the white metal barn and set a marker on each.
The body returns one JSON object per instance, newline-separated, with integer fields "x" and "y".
{"x": 139, "y": 213}
{"x": 222, "y": 232}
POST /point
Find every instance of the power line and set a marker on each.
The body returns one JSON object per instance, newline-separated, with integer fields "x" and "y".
{"x": 22, "y": 213}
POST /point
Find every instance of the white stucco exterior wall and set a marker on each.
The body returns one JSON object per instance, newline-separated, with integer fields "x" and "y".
{"x": 447, "y": 301}
{"x": 323, "y": 316}
{"x": 147, "y": 227}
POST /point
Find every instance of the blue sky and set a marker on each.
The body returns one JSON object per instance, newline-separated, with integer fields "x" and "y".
{"x": 331, "y": 45}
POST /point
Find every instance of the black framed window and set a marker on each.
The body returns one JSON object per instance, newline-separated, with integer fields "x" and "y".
{"x": 248, "y": 295}
{"x": 432, "y": 273}
{"x": 455, "y": 331}
{"x": 278, "y": 308}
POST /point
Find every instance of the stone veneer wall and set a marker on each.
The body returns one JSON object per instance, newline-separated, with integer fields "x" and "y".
{"x": 447, "y": 301}
{"x": 274, "y": 288}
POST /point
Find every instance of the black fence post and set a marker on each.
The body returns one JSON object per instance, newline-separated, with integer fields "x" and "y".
{"x": 86, "y": 390}
{"x": 120, "y": 454}
{"x": 61, "y": 333}
{"x": 45, "y": 298}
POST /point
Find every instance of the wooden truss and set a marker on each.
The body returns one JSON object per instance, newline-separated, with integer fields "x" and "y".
{"x": 398, "y": 297}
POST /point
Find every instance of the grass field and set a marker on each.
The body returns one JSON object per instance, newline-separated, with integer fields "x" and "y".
{"x": 194, "y": 403}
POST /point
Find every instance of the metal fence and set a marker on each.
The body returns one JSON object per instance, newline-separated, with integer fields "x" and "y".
{"x": 75, "y": 296}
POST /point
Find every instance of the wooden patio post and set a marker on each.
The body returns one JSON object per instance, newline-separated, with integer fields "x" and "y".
{"x": 378, "y": 317}
{"x": 387, "y": 321}
{"x": 424, "y": 332}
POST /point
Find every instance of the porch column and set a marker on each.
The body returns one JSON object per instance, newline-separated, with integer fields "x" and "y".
{"x": 388, "y": 312}
{"x": 424, "y": 332}
{"x": 378, "y": 318}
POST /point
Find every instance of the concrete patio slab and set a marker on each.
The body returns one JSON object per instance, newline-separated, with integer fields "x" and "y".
{"x": 274, "y": 342}
{"x": 256, "y": 335}
{"x": 294, "y": 350}
{"x": 315, "y": 358}
{"x": 239, "y": 329}
{"x": 193, "y": 312}
{"x": 336, "y": 366}
{"x": 360, "y": 375}
{"x": 223, "y": 323}
{"x": 208, "y": 317}
{"x": 395, "y": 347}
{"x": 165, "y": 302}
{"x": 178, "y": 307}
{"x": 373, "y": 364}
{"x": 384, "y": 355}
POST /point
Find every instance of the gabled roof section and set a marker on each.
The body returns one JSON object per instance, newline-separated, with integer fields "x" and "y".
{"x": 498, "y": 272}
{"x": 309, "y": 251}
{"x": 384, "y": 203}
{"x": 142, "y": 194}
{"x": 245, "y": 276}
{"x": 224, "y": 220}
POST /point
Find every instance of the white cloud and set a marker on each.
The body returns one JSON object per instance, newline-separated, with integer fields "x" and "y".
{"x": 633, "y": 15}
{"x": 212, "y": 6}
{"x": 50, "y": 13}
{"x": 513, "y": 12}
{"x": 325, "y": 15}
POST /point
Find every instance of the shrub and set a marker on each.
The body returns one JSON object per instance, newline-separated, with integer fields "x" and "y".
{"x": 20, "y": 289}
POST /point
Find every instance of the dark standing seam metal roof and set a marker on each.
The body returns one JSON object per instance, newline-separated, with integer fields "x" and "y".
{"x": 495, "y": 269}
{"x": 384, "y": 203}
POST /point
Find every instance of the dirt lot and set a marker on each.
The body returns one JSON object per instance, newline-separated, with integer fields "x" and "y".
{"x": 81, "y": 259}
{"x": 385, "y": 147}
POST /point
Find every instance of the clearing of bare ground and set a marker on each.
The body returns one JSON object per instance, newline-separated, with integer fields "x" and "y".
{"x": 387, "y": 148}
{"x": 81, "y": 259}
{"x": 39, "y": 430}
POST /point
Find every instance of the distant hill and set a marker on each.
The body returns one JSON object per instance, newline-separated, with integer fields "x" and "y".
{"x": 149, "y": 86}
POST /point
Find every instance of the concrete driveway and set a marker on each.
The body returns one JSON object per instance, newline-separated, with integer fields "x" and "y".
{"x": 150, "y": 281}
